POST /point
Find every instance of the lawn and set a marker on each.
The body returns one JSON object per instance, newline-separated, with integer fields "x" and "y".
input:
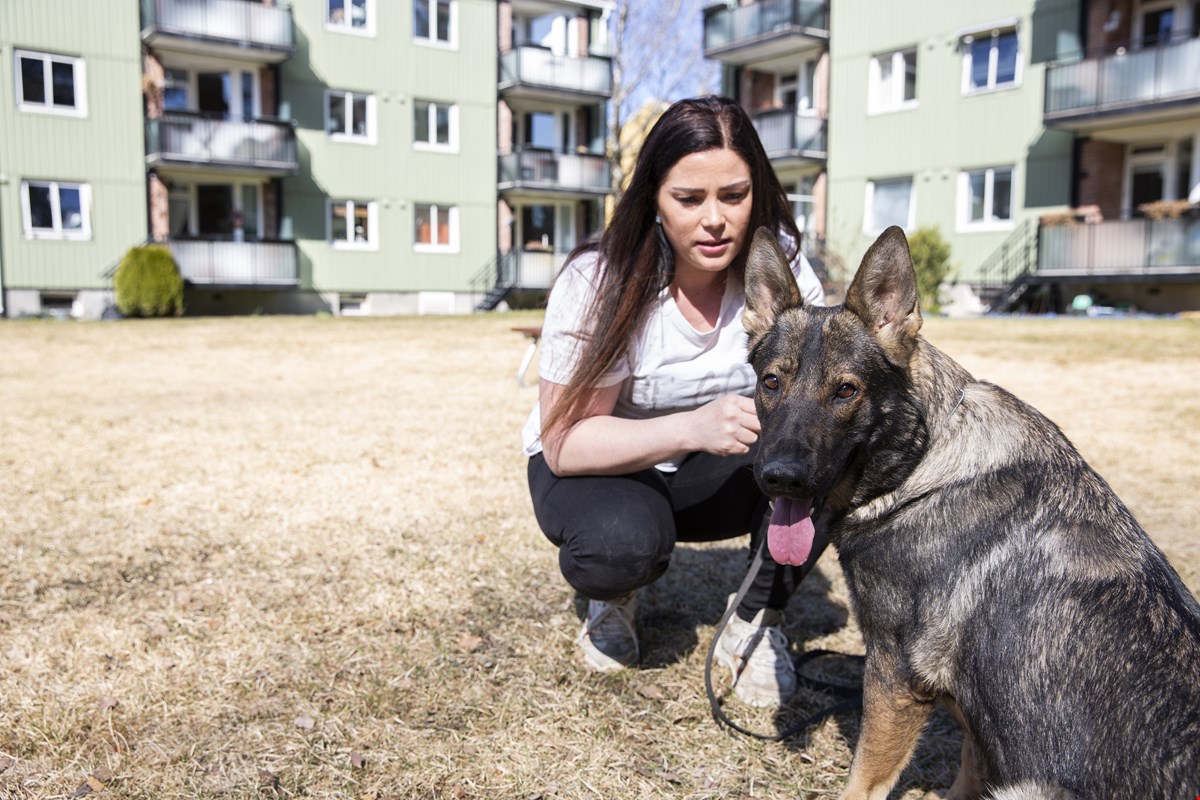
{"x": 295, "y": 557}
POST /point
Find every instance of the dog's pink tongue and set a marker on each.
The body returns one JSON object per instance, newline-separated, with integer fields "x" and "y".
{"x": 790, "y": 533}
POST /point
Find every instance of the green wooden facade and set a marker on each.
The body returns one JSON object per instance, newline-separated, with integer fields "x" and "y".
{"x": 101, "y": 148}
{"x": 393, "y": 173}
{"x": 943, "y": 131}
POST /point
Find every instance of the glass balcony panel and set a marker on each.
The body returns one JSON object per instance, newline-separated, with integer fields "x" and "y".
{"x": 240, "y": 21}
{"x": 1124, "y": 79}
{"x": 191, "y": 137}
{"x": 236, "y": 263}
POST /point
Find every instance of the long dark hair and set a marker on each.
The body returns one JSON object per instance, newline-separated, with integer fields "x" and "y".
{"x": 638, "y": 262}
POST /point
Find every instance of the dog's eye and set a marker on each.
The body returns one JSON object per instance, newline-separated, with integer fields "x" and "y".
{"x": 846, "y": 391}
{"x": 770, "y": 382}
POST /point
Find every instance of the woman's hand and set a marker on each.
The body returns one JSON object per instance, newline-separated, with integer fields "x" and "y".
{"x": 725, "y": 427}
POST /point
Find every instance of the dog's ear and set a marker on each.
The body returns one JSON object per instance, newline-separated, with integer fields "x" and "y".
{"x": 770, "y": 284}
{"x": 884, "y": 295}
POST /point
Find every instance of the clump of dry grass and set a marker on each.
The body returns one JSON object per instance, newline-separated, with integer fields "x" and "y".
{"x": 282, "y": 557}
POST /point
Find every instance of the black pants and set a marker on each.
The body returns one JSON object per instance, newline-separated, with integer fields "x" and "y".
{"x": 616, "y": 533}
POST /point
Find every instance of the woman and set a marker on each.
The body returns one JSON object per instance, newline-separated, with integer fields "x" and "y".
{"x": 645, "y": 428}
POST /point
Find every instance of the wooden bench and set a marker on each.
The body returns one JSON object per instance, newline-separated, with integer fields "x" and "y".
{"x": 533, "y": 334}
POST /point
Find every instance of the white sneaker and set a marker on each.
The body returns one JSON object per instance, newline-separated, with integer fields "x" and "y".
{"x": 609, "y": 638}
{"x": 758, "y": 659}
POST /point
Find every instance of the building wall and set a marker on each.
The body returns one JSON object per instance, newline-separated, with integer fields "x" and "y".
{"x": 104, "y": 149}
{"x": 392, "y": 172}
{"x": 946, "y": 132}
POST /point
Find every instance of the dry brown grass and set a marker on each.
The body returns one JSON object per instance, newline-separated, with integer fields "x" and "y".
{"x": 276, "y": 557}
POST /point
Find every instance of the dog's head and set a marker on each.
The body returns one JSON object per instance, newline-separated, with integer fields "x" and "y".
{"x": 832, "y": 382}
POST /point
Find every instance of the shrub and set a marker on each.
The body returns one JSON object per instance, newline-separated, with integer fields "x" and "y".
{"x": 931, "y": 260}
{"x": 148, "y": 283}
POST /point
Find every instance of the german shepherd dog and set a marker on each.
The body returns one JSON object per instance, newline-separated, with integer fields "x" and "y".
{"x": 990, "y": 568}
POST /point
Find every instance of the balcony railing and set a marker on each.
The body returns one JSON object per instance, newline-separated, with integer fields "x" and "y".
{"x": 785, "y": 133}
{"x": 527, "y": 269}
{"x": 225, "y": 263}
{"x": 545, "y": 169}
{"x": 533, "y": 66}
{"x": 240, "y": 23}
{"x": 732, "y": 26}
{"x": 1124, "y": 80}
{"x": 1122, "y": 247}
{"x": 193, "y": 138}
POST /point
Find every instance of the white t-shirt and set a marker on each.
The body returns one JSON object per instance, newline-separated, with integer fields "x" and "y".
{"x": 671, "y": 366}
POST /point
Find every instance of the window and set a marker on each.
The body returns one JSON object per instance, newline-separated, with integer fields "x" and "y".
{"x": 436, "y": 229}
{"x": 351, "y": 16}
{"x": 795, "y": 89}
{"x": 889, "y": 202}
{"x": 353, "y": 224}
{"x": 50, "y": 83}
{"x": 435, "y": 22}
{"x": 893, "y": 81}
{"x": 991, "y": 61}
{"x": 176, "y": 84}
{"x": 985, "y": 199}
{"x": 435, "y": 126}
{"x": 350, "y": 117}
{"x": 54, "y": 210}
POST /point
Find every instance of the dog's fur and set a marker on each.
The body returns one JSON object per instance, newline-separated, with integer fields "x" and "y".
{"x": 989, "y": 566}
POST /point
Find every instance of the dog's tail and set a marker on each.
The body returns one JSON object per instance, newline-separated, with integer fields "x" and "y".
{"x": 1030, "y": 791}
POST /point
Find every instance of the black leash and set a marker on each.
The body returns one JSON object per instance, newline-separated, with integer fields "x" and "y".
{"x": 852, "y": 693}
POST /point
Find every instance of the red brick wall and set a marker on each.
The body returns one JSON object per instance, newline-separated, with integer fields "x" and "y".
{"x": 504, "y": 25}
{"x": 504, "y": 122}
{"x": 160, "y": 221}
{"x": 1101, "y": 173}
{"x": 820, "y": 190}
{"x": 270, "y": 101}
{"x": 270, "y": 223}
{"x": 152, "y": 85}
{"x": 1098, "y": 15}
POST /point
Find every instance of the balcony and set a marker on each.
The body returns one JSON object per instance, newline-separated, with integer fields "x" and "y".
{"x": 745, "y": 34}
{"x": 190, "y": 138}
{"x": 1120, "y": 248}
{"x": 1150, "y": 85}
{"x": 789, "y": 138}
{"x": 531, "y": 169}
{"x": 534, "y": 72}
{"x": 239, "y": 29}
{"x": 227, "y": 264}
{"x": 526, "y": 269}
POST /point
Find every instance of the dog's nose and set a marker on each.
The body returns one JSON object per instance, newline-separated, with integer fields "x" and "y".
{"x": 783, "y": 477}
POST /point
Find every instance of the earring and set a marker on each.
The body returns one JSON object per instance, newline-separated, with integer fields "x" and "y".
{"x": 657, "y": 219}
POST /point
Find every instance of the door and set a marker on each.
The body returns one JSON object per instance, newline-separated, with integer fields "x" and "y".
{"x": 214, "y": 211}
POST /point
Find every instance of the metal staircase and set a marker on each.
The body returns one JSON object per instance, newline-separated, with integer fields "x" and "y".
{"x": 1009, "y": 272}
{"x": 494, "y": 281}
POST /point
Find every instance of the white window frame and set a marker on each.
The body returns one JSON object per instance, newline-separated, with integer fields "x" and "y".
{"x": 346, "y": 25}
{"x": 432, "y": 40}
{"x": 988, "y": 223}
{"x": 79, "y": 68}
{"x": 434, "y": 146}
{"x": 345, "y": 135}
{"x": 869, "y": 204}
{"x": 968, "y": 58}
{"x": 372, "y": 242}
{"x": 436, "y": 209}
{"x": 876, "y": 102}
{"x": 57, "y": 231}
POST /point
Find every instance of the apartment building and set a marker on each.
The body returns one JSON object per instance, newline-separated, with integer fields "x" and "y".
{"x": 352, "y": 156}
{"x": 938, "y": 122}
{"x": 555, "y": 79}
{"x": 1129, "y": 94}
{"x": 775, "y": 61}
{"x": 72, "y": 168}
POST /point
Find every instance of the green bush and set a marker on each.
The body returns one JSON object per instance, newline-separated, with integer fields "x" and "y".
{"x": 148, "y": 283}
{"x": 931, "y": 260}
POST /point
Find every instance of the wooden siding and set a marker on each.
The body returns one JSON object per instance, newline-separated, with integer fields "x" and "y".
{"x": 104, "y": 149}
{"x": 392, "y": 172}
{"x": 947, "y": 132}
